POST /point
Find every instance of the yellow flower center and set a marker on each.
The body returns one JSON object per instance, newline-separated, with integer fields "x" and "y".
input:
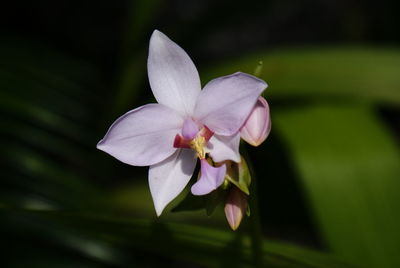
{"x": 198, "y": 144}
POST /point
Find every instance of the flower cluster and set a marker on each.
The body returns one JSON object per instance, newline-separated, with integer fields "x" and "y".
{"x": 188, "y": 123}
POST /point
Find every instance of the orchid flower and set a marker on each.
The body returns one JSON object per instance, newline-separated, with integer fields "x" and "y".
{"x": 187, "y": 123}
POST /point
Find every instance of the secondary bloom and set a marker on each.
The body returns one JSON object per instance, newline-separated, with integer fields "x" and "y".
{"x": 235, "y": 207}
{"x": 258, "y": 125}
{"x": 186, "y": 123}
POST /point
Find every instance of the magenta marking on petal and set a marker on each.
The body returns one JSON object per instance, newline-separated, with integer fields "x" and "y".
{"x": 189, "y": 129}
{"x": 181, "y": 142}
{"x": 206, "y": 133}
{"x": 211, "y": 178}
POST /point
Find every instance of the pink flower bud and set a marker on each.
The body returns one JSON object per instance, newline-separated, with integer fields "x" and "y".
{"x": 258, "y": 125}
{"x": 235, "y": 207}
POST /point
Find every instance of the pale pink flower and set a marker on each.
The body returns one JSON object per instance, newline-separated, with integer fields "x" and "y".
{"x": 185, "y": 123}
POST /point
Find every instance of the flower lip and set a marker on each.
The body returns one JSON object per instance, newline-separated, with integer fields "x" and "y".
{"x": 211, "y": 178}
{"x": 194, "y": 140}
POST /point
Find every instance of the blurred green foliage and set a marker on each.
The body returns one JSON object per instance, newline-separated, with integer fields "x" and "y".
{"x": 335, "y": 139}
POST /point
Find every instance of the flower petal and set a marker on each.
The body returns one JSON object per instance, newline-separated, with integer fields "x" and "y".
{"x": 258, "y": 125}
{"x": 168, "y": 178}
{"x": 211, "y": 178}
{"x": 226, "y": 102}
{"x": 189, "y": 129}
{"x": 223, "y": 148}
{"x": 173, "y": 77}
{"x": 143, "y": 136}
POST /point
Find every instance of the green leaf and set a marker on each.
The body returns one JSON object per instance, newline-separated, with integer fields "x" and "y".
{"x": 47, "y": 116}
{"x": 248, "y": 211}
{"x": 350, "y": 168}
{"x": 357, "y": 73}
{"x": 213, "y": 199}
{"x": 239, "y": 175}
{"x": 244, "y": 174}
{"x": 189, "y": 203}
{"x": 207, "y": 202}
{"x": 183, "y": 242}
{"x": 132, "y": 59}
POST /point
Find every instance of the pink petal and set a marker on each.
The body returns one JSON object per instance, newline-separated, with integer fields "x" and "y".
{"x": 168, "y": 178}
{"x": 225, "y": 103}
{"x": 223, "y": 148}
{"x": 258, "y": 125}
{"x": 211, "y": 178}
{"x": 173, "y": 77}
{"x": 143, "y": 136}
{"x": 189, "y": 129}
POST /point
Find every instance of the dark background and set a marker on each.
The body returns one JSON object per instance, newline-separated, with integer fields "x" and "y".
{"x": 68, "y": 69}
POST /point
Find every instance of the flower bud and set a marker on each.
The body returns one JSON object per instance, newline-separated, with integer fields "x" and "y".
{"x": 258, "y": 125}
{"x": 235, "y": 207}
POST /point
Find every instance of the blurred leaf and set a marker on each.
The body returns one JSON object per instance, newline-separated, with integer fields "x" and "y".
{"x": 139, "y": 16}
{"x": 190, "y": 202}
{"x": 132, "y": 60}
{"x": 350, "y": 167}
{"x": 207, "y": 202}
{"x": 214, "y": 199}
{"x": 47, "y": 67}
{"x": 248, "y": 211}
{"x": 47, "y": 121}
{"x": 195, "y": 244}
{"x": 370, "y": 74}
{"x": 240, "y": 176}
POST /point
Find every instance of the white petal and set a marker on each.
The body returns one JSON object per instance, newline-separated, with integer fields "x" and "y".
{"x": 223, "y": 148}
{"x": 143, "y": 136}
{"x": 226, "y": 102}
{"x": 168, "y": 178}
{"x": 173, "y": 77}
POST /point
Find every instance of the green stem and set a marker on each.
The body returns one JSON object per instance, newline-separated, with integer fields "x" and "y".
{"x": 255, "y": 221}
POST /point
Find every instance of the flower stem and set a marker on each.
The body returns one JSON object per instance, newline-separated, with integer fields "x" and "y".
{"x": 255, "y": 221}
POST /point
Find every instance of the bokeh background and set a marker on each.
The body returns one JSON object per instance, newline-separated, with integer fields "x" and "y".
{"x": 328, "y": 176}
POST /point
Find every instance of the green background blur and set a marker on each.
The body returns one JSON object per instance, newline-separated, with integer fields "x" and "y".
{"x": 328, "y": 176}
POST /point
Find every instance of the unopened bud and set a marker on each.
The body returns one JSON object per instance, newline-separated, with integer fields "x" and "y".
{"x": 235, "y": 207}
{"x": 258, "y": 125}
